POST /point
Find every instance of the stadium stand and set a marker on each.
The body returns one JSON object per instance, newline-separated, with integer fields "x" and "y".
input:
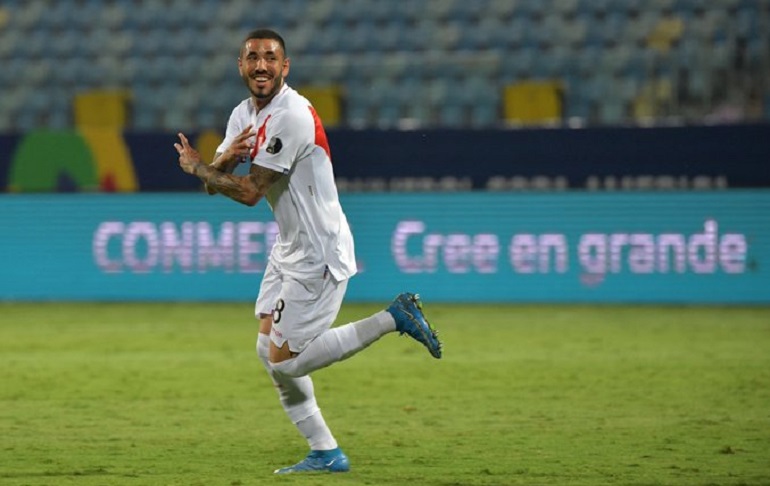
{"x": 423, "y": 63}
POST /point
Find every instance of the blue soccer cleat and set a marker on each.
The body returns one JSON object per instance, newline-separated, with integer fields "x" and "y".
{"x": 319, "y": 461}
{"x": 406, "y": 309}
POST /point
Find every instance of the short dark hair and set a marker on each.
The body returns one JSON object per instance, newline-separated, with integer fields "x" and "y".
{"x": 266, "y": 34}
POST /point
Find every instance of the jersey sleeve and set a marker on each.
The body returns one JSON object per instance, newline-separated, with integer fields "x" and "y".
{"x": 287, "y": 135}
{"x": 233, "y": 129}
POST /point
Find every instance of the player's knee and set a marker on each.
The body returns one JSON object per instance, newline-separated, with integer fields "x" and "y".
{"x": 289, "y": 367}
{"x": 263, "y": 347}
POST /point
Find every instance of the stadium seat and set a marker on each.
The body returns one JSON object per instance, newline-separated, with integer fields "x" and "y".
{"x": 435, "y": 44}
{"x": 501, "y": 9}
{"x": 388, "y": 116}
{"x": 551, "y": 63}
{"x": 594, "y": 7}
{"x": 577, "y": 109}
{"x": 532, "y": 103}
{"x": 532, "y": 8}
{"x": 28, "y": 15}
{"x": 11, "y": 103}
{"x": 518, "y": 64}
{"x": 575, "y": 31}
{"x": 10, "y": 41}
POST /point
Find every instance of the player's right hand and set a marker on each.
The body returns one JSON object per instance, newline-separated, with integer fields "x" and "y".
{"x": 238, "y": 152}
{"x": 240, "y": 148}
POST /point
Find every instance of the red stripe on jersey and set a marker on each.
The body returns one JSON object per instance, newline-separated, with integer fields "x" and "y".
{"x": 261, "y": 136}
{"x": 320, "y": 134}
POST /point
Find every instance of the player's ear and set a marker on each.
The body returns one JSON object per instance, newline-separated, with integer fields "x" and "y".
{"x": 286, "y": 66}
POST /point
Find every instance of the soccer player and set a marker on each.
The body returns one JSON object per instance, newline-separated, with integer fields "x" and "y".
{"x": 278, "y": 132}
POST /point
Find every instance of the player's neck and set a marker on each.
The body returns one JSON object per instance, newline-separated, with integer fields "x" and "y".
{"x": 261, "y": 103}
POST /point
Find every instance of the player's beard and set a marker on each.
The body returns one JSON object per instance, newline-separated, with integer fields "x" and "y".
{"x": 262, "y": 95}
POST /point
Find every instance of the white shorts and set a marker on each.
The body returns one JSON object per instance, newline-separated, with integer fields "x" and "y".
{"x": 301, "y": 309}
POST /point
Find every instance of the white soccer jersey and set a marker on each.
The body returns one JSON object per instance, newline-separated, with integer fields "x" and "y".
{"x": 313, "y": 230}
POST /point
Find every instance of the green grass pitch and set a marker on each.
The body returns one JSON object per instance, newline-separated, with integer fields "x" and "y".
{"x": 173, "y": 394}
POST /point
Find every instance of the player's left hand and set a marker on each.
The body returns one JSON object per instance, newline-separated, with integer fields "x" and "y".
{"x": 188, "y": 156}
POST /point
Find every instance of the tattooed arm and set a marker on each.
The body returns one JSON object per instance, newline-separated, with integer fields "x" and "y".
{"x": 222, "y": 164}
{"x": 248, "y": 189}
{"x": 237, "y": 152}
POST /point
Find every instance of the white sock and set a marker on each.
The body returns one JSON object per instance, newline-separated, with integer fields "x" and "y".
{"x": 297, "y": 396}
{"x": 317, "y": 433}
{"x": 338, "y": 344}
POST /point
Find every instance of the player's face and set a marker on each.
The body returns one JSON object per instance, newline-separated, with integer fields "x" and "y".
{"x": 263, "y": 65}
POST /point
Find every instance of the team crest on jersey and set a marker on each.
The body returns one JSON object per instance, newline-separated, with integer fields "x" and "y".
{"x": 274, "y": 146}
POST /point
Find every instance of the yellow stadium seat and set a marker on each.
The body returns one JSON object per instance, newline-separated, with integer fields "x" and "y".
{"x": 102, "y": 108}
{"x": 326, "y": 100}
{"x": 533, "y": 102}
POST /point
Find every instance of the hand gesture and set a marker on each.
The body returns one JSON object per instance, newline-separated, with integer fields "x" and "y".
{"x": 240, "y": 149}
{"x": 188, "y": 156}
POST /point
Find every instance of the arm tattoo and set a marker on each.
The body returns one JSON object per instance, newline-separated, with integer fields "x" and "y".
{"x": 243, "y": 189}
{"x": 224, "y": 166}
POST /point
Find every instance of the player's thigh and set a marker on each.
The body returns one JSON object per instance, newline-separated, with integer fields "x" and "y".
{"x": 269, "y": 291}
{"x": 305, "y": 309}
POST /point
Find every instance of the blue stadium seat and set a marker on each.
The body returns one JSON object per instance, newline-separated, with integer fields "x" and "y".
{"x": 552, "y": 30}
{"x": 490, "y": 33}
{"x": 361, "y": 106}
{"x": 150, "y": 43}
{"x": 10, "y": 75}
{"x": 625, "y": 6}
{"x": 577, "y": 111}
{"x": 518, "y": 64}
{"x": 532, "y": 8}
{"x": 58, "y": 112}
{"x": 388, "y": 115}
{"x": 501, "y": 9}
{"x": 144, "y": 119}
{"x": 151, "y": 16}
{"x": 587, "y": 59}
{"x": 481, "y": 98}
{"x": 208, "y": 119}
{"x": 565, "y": 8}
{"x": 70, "y": 72}
{"x": 28, "y": 120}
{"x": 594, "y": 7}
{"x": 388, "y": 12}
{"x": 467, "y": 12}
{"x": 433, "y": 47}
{"x": 11, "y": 102}
{"x": 576, "y": 30}
{"x": 551, "y": 63}
{"x": 199, "y": 15}
{"x": 485, "y": 115}
{"x": 359, "y": 102}
{"x": 747, "y": 22}
{"x": 663, "y": 5}
{"x": 412, "y": 99}
{"x": 185, "y": 42}
{"x": 453, "y": 115}
{"x": 28, "y": 15}
{"x": 11, "y": 43}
